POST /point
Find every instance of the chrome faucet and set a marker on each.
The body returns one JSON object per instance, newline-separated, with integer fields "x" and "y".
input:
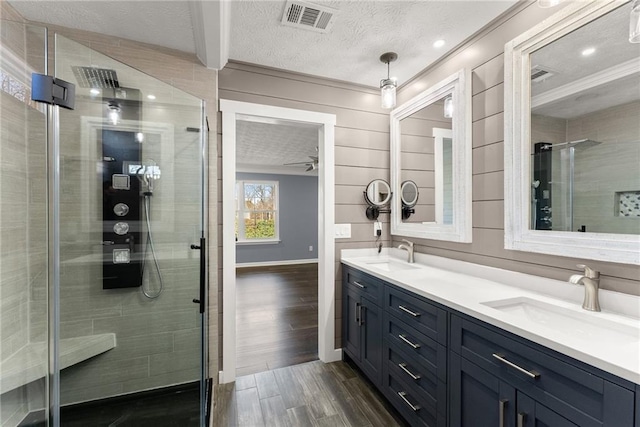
{"x": 409, "y": 248}
{"x": 591, "y": 282}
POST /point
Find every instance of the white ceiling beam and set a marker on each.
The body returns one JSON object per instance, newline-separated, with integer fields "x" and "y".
{"x": 211, "y": 31}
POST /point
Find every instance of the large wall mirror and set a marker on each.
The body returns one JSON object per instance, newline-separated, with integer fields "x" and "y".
{"x": 572, "y": 135}
{"x": 431, "y": 163}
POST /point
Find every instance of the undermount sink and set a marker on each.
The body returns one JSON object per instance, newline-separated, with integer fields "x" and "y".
{"x": 575, "y": 323}
{"x": 389, "y": 265}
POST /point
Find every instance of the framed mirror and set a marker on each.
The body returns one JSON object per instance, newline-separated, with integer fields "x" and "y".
{"x": 431, "y": 157}
{"x": 572, "y": 135}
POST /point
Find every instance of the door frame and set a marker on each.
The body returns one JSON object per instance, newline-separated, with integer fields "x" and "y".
{"x": 233, "y": 111}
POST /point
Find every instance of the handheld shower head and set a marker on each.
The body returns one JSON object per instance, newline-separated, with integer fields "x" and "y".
{"x": 147, "y": 174}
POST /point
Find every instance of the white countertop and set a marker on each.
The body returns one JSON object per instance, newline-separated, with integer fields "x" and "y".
{"x": 464, "y": 287}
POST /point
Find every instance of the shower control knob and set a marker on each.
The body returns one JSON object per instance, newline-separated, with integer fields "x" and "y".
{"x": 121, "y": 209}
{"x": 121, "y": 228}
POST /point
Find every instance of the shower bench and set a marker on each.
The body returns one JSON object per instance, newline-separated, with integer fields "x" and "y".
{"x": 30, "y": 362}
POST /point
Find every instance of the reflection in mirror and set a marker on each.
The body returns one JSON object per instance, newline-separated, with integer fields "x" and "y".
{"x": 585, "y": 130}
{"x": 378, "y": 193}
{"x": 425, "y": 159}
{"x": 409, "y": 197}
{"x": 572, "y": 135}
{"x": 431, "y": 156}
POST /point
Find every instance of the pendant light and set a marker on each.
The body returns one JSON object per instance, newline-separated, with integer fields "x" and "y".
{"x": 388, "y": 85}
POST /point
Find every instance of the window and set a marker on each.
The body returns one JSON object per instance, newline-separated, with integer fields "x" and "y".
{"x": 256, "y": 211}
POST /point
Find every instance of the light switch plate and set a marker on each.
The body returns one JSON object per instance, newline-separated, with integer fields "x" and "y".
{"x": 342, "y": 231}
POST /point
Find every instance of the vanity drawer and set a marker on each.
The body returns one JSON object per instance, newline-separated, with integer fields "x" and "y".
{"x": 417, "y": 407}
{"x": 363, "y": 283}
{"x": 415, "y": 311}
{"x": 423, "y": 380}
{"x": 422, "y": 350}
{"x": 580, "y": 396}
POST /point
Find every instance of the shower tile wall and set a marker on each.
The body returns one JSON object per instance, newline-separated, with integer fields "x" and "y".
{"x": 607, "y": 168}
{"x": 157, "y": 341}
{"x": 22, "y": 209}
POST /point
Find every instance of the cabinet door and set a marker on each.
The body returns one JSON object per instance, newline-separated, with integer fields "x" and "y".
{"x": 371, "y": 330}
{"x": 478, "y": 398}
{"x": 351, "y": 327}
{"x": 532, "y": 414}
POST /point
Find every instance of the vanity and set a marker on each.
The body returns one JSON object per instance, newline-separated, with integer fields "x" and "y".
{"x": 450, "y": 343}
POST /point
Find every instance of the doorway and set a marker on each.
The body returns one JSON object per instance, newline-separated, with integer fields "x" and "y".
{"x": 233, "y": 114}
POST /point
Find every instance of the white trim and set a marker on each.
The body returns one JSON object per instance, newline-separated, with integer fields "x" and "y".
{"x": 211, "y": 22}
{"x": 619, "y": 248}
{"x": 458, "y": 85}
{"x": 438, "y": 150}
{"x": 235, "y": 110}
{"x": 276, "y": 263}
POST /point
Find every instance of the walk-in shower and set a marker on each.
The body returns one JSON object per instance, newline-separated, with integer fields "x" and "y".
{"x": 553, "y": 184}
{"x": 100, "y": 207}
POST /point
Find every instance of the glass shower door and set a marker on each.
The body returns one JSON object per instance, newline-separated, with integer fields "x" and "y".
{"x": 23, "y": 228}
{"x": 130, "y": 205}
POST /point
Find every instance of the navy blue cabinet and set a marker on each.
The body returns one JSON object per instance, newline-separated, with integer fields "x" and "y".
{"x": 550, "y": 386}
{"x": 362, "y": 324}
{"x": 478, "y": 398}
{"x": 439, "y": 367}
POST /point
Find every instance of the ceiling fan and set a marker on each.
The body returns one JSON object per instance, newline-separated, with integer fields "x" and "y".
{"x": 311, "y": 164}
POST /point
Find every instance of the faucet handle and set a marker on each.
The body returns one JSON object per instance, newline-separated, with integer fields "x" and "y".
{"x": 589, "y": 272}
{"x": 410, "y": 243}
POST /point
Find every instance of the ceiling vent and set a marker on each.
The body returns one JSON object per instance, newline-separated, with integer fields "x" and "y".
{"x": 540, "y": 73}
{"x": 308, "y": 16}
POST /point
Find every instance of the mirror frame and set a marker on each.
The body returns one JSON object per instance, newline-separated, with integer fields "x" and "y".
{"x": 458, "y": 84}
{"x": 619, "y": 248}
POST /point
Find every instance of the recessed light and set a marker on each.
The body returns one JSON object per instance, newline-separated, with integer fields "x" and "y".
{"x": 151, "y": 97}
{"x": 95, "y": 91}
{"x": 438, "y": 43}
{"x": 588, "y": 51}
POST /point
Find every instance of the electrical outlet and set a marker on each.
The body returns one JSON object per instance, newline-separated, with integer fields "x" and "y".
{"x": 377, "y": 229}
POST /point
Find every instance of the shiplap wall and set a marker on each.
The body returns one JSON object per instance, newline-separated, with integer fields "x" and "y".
{"x": 361, "y": 143}
{"x": 483, "y": 54}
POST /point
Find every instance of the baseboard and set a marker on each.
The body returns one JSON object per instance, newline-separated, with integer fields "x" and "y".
{"x": 276, "y": 263}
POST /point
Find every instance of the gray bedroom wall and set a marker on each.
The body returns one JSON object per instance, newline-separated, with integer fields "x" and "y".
{"x": 298, "y": 210}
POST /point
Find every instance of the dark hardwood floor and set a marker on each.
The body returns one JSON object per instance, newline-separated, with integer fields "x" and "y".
{"x": 276, "y": 317}
{"x": 312, "y": 394}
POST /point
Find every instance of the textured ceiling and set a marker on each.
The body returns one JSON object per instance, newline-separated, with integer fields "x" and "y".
{"x": 267, "y": 144}
{"x": 361, "y": 32}
{"x": 164, "y": 23}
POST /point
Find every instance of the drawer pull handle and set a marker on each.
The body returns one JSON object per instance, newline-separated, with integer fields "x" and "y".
{"x": 403, "y": 366}
{"x": 521, "y": 418}
{"x": 402, "y": 395}
{"x": 501, "y": 408}
{"x": 402, "y": 337}
{"x": 406, "y": 310}
{"x": 530, "y": 374}
{"x": 358, "y": 284}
